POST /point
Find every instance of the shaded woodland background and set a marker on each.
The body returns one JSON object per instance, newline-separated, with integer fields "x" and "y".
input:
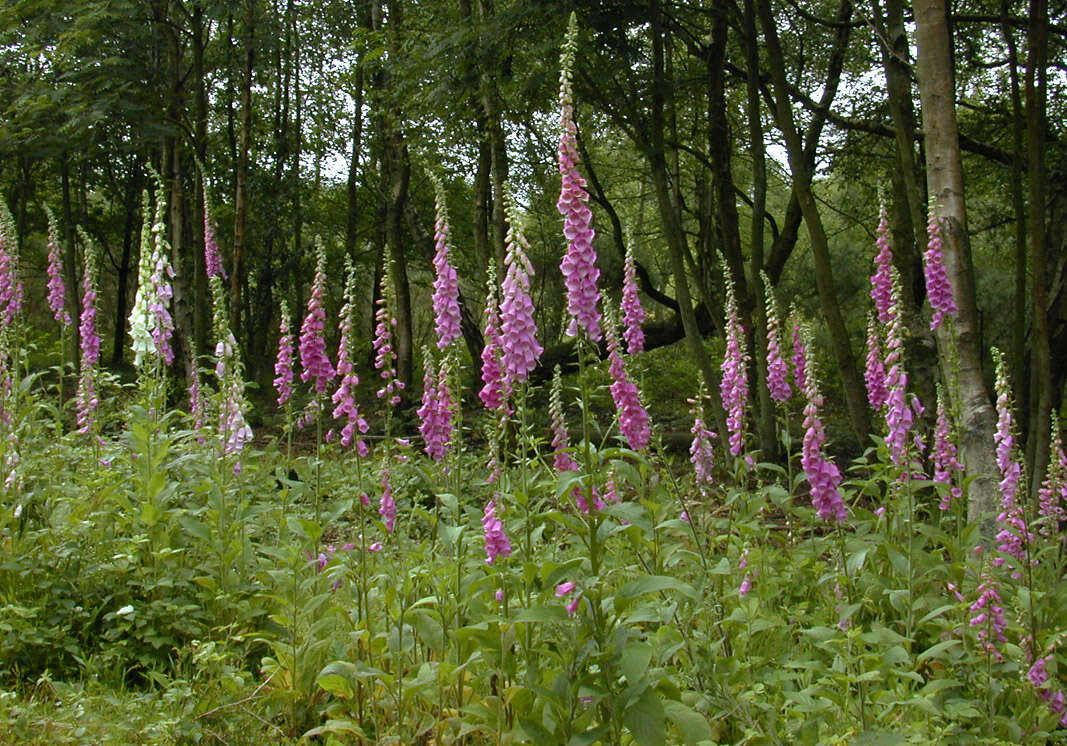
{"x": 751, "y": 135}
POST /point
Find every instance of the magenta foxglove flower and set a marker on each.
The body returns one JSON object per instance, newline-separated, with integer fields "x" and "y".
{"x": 212, "y": 255}
{"x": 882, "y": 279}
{"x": 197, "y": 401}
{"x": 823, "y": 475}
{"x": 316, "y": 365}
{"x": 947, "y": 466}
{"x": 87, "y": 400}
{"x": 777, "y": 370}
{"x": 10, "y": 285}
{"x": 633, "y": 313}
{"x": 161, "y": 292}
{"x": 938, "y": 286}
{"x": 734, "y": 383}
{"x": 234, "y": 430}
{"x": 988, "y": 616}
{"x": 283, "y": 363}
{"x": 1053, "y": 492}
{"x": 701, "y": 453}
{"x": 384, "y": 354}
{"x": 633, "y": 419}
{"x": 899, "y": 417}
{"x": 800, "y": 357}
{"x": 446, "y": 285}
{"x": 874, "y": 373}
{"x": 496, "y": 541}
{"x": 435, "y": 414}
{"x": 496, "y": 389}
{"x": 1014, "y": 538}
{"x": 579, "y": 263}
{"x": 57, "y": 289}
{"x": 561, "y": 459}
{"x": 387, "y": 507}
{"x": 344, "y": 398}
{"x": 518, "y": 332}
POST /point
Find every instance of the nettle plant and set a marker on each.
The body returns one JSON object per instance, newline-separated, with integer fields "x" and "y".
{"x": 568, "y": 582}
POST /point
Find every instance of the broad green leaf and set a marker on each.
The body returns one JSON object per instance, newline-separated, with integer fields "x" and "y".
{"x": 692, "y": 725}
{"x": 646, "y": 719}
{"x": 653, "y": 584}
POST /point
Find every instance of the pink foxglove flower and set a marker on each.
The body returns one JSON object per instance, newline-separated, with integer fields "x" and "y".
{"x": 1053, "y": 492}
{"x": 874, "y": 373}
{"x": 151, "y": 325}
{"x": 899, "y": 417}
{"x": 823, "y": 475}
{"x": 283, "y": 363}
{"x": 561, "y": 459}
{"x": 1014, "y": 538}
{"x": 10, "y": 285}
{"x": 701, "y": 452}
{"x": 435, "y": 414}
{"x": 947, "y": 467}
{"x": 316, "y": 365}
{"x": 87, "y": 400}
{"x": 882, "y": 279}
{"x": 800, "y": 357}
{"x": 938, "y": 286}
{"x": 387, "y": 506}
{"x": 384, "y": 354}
{"x": 197, "y": 401}
{"x": 212, "y": 255}
{"x": 579, "y": 263}
{"x": 344, "y": 399}
{"x": 518, "y": 332}
{"x": 633, "y": 313}
{"x": 988, "y": 616}
{"x": 234, "y": 430}
{"x": 734, "y": 383}
{"x": 633, "y": 419}
{"x": 495, "y": 390}
{"x": 57, "y": 289}
{"x": 496, "y": 541}
{"x": 446, "y": 285}
{"x": 777, "y": 370}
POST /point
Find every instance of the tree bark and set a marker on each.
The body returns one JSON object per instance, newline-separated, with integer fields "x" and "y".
{"x": 238, "y": 279}
{"x": 944, "y": 175}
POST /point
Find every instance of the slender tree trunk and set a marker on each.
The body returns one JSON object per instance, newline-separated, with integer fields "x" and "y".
{"x": 129, "y": 227}
{"x": 352, "y": 223}
{"x": 944, "y": 174}
{"x": 201, "y": 302}
{"x": 1040, "y": 356}
{"x": 491, "y": 108}
{"x": 70, "y": 258}
{"x": 854, "y": 390}
{"x": 238, "y": 275}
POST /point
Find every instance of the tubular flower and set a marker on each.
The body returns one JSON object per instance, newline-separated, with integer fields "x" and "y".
{"x": 579, "y": 263}
{"x": 898, "y": 415}
{"x": 197, "y": 401}
{"x": 734, "y": 384}
{"x": 344, "y": 398}
{"x": 233, "y": 428}
{"x": 777, "y": 370}
{"x": 496, "y": 541}
{"x": 87, "y": 400}
{"x": 1053, "y": 492}
{"x": 946, "y": 464}
{"x": 633, "y": 419}
{"x": 1013, "y": 537}
{"x": 800, "y": 358}
{"x": 151, "y": 325}
{"x": 874, "y": 373}
{"x": 518, "y": 332}
{"x": 446, "y": 285}
{"x": 384, "y": 354}
{"x": 495, "y": 390}
{"x": 988, "y": 615}
{"x": 823, "y": 475}
{"x": 10, "y": 285}
{"x": 633, "y": 313}
{"x": 435, "y": 414}
{"x": 882, "y": 279}
{"x": 57, "y": 290}
{"x": 283, "y": 363}
{"x": 938, "y": 286}
{"x": 212, "y": 255}
{"x": 316, "y": 365}
{"x": 701, "y": 453}
{"x": 561, "y": 459}
{"x": 387, "y": 507}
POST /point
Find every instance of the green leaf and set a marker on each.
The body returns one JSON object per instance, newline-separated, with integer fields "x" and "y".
{"x": 646, "y": 720}
{"x": 855, "y": 561}
{"x": 535, "y": 731}
{"x": 542, "y": 614}
{"x": 654, "y": 584}
{"x": 428, "y": 629}
{"x": 337, "y": 685}
{"x": 635, "y": 659}
{"x": 692, "y": 725}
{"x": 936, "y": 651}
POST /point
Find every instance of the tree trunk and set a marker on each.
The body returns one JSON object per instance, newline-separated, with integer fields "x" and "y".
{"x": 944, "y": 174}
{"x": 238, "y": 279}
{"x": 352, "y": 223}
{"x": 854, "y": 390}
{"x": 129, "y": 227}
